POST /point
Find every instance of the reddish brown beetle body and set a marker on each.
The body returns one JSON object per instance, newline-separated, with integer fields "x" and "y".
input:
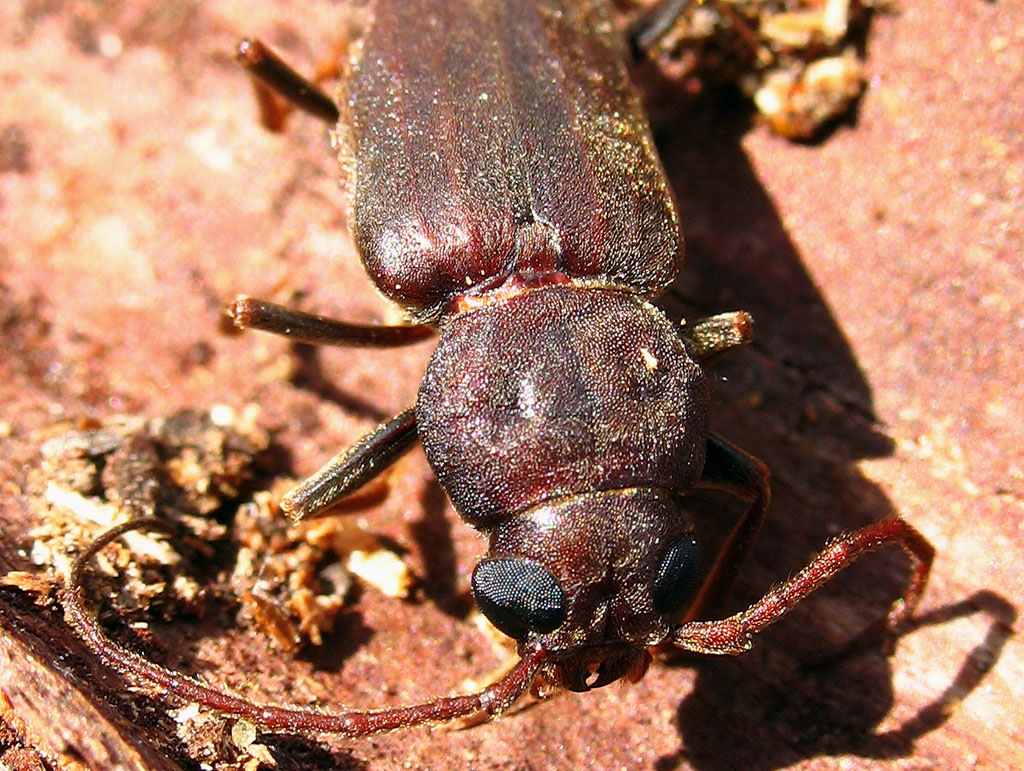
{"x": 505, "y": 189}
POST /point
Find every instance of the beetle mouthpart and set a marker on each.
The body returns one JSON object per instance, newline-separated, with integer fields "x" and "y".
{"x": 601, "y": 668}
{"x": 630, "y": 667}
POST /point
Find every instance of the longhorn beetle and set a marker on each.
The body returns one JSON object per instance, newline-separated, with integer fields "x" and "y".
{"x": 506, "y": 192}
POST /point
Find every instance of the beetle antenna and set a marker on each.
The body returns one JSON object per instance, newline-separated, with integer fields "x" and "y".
{"x": 734, "y": 635}
{"x": 492, "y": 700}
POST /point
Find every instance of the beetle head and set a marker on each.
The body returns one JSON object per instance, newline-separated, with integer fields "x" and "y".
{"x": 597, "y": 578}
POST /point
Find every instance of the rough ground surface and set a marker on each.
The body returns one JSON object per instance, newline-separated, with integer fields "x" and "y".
{"x": 883, "y": 266}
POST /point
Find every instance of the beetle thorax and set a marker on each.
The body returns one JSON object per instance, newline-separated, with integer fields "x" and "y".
{"x": 556, "y": 392}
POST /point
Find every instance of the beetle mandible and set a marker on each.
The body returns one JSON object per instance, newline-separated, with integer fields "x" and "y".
{"x": 506, "y": 192}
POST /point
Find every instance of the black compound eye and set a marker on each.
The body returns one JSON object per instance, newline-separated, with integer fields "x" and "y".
{"x": 518, "y": 596}
{"x": 677, "y": 577}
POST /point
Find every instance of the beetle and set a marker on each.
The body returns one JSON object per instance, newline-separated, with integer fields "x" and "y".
{"x": 506, "y": 193}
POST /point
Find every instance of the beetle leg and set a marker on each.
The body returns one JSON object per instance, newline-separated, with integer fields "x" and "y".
{"x": 730, "y": 469}
{"x": 272, "y": 75}
{"x": 376, "y": 451}
{"x": 249, "y": 313}
{"x": 733, "y": 635}
{"x": 492, "y": 700}
{"x": 711, "y": 337}
{"x": 349, "y": 470}
{"x": 647, "y": 31}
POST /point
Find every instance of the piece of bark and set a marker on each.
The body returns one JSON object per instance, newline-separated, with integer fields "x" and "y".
{"x": 49, "y": 696}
